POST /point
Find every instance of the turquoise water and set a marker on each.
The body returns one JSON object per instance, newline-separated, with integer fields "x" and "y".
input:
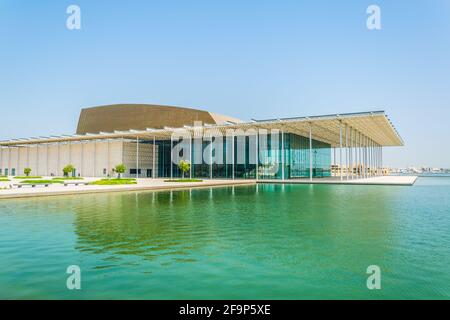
{"x": 250, "y": 242}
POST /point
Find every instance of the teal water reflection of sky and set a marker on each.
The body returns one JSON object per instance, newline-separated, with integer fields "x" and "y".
{"x": 253, "y": 242}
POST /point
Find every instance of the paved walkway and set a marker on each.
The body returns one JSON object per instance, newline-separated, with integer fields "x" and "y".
{"x": 159, "y": 185}
{"x": 142, "y": 185}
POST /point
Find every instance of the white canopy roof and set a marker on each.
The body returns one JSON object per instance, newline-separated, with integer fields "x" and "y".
{"x": 374, "y": 125}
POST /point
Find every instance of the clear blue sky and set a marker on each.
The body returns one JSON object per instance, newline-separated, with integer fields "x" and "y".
{"x": 247, "y": 59}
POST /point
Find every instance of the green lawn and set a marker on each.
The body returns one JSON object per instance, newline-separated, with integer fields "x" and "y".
{"x": 40, "y": 181}
{"x": 184, "y": 180}
{"x": 4, "y": 179}
{"x": 29, "y": 177}
{"x": 111, "y": 182}
{"x": 68, "y": 178}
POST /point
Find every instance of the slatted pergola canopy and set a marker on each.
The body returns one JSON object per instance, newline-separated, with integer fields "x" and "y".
{"x": 374, "y": 125}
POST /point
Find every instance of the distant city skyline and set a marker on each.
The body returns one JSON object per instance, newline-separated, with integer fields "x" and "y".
{"x": 254, "y": 59}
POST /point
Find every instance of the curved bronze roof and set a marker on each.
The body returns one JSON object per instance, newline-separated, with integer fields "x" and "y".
{"x": 142, "y": 116}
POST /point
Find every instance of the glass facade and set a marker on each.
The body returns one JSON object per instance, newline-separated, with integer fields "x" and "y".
{"x": 296, "y": 158}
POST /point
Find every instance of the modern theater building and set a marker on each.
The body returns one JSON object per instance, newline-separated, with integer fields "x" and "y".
{"x": 147, "y": 139}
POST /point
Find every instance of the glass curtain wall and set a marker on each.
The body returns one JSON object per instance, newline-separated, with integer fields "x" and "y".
{"x": 163, "y": 158}
{"x": 296, "y": 150}
{"x": 297, "y": 158}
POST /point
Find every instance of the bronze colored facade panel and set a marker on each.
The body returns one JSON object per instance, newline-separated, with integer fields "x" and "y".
{"x": 123, "y": 117}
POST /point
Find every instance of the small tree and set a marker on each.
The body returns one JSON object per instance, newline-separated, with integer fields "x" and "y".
{"x": 68, "y": 169}
{"x": 27, "y": 171}
{"x": 184, "y": 166}
{"x": 120, "y": 168}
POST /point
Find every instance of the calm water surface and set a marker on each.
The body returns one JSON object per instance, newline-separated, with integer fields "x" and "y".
{"x": 266, "y": 241}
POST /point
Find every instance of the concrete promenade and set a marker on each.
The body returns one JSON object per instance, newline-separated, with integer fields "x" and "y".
{"x": 6, "y": 192}
{"x": 142, "y": 185}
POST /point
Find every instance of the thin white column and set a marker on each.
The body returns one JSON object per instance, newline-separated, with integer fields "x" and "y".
{"x": 37, "y": 159}
{"x": 368, "y": 157}
{"x": 82, "y": 158}
{"x": 70, "y": 152}
{"x": 1, "y": 161}
{"x": 354, "y": 154}
{"x": 346, "y": 152}
{"x": 360, "y": 155}
{"x": 282, "y": 155}
{"x": 365, "y": 156}
{"x": 190, "y": 156}
{"x": 210, "y": 156}
{"x": 381, "y": 159}
{"x": 58, "y": 165}
{"x": 171, "y": 158}
{"x": 361, "y": 160}
{"x": 351, "y": 153}
{"x": 340, "y": 150}
{"x": 369, "y": 160}
{"x": 357, "y": 153}
{"x": 371, "y": 157}
{"x": 361, "y": 148}
{"x": 378, "y": 159}
{"x": 137, "y": 157}
{"x": 47, "y": 160}
{"x": 374, "y": 159}
{"x": 9, "y": 161}
{"x": 310, "y": 154}
{"x": 18, "y": 161}
{"x": 154, "y": 157}
{"x": 109, "y": 157}
{"x": 232, "y": 155}
{"x": 95, "y": 158}
{"x": 380, "y": 162}
{"x": 257, "y": 155}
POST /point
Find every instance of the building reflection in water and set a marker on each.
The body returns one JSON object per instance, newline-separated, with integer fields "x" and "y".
{"x": 278, "y": 223}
